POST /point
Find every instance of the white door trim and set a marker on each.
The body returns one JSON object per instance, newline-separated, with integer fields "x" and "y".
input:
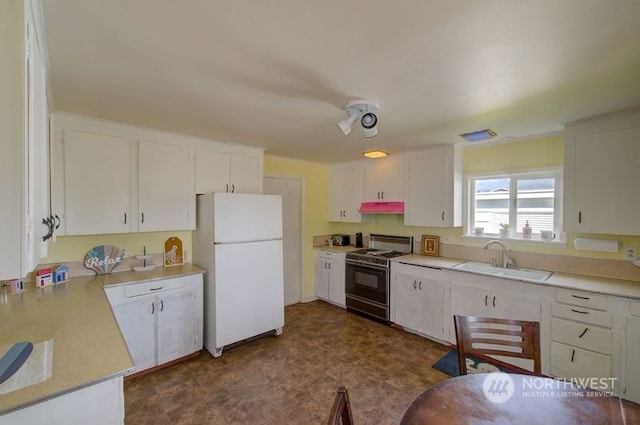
{"x": 303, "y": 265}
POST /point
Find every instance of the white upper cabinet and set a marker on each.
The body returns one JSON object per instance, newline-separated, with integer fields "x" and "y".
{"x": 165, "y": 188}
{"x": 24, "y": 171}
{"x": 345, "y": 192}
{"x": 218, "y": 171}
{"x": 602, "y": 176}
{"x": 433, "y": 187}
{"x": 383, "y": 179}
{"x": 97, "y": 178}
{"x": 114, "y": 178}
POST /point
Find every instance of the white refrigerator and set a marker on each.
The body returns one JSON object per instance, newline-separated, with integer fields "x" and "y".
{"x": 238, "y": 241}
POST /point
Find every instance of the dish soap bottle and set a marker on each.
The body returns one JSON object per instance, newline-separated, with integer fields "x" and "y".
{"x": 526, "y": 231}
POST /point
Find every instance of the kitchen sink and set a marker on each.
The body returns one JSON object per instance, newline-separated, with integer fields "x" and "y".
{"x": 514, "y": 273}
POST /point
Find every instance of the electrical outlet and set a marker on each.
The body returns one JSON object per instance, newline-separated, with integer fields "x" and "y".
{"x": 631, "y": 253}
{"x": 446, "y": 238}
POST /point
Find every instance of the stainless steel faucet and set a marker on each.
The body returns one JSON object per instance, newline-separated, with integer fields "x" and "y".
{"x": 505, "y": 261}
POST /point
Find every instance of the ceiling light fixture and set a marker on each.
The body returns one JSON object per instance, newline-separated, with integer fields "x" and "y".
{"x": 375, "y": 154}
{"x": 365, "y": 111}
{"x": 477, "y": 136}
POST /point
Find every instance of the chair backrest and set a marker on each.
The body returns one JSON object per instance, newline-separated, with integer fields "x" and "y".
{"x": 341, "y": 410}
{"x": 484, "y": 338}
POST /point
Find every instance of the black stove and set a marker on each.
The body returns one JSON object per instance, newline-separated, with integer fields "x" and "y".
{"x": 373, "y": 256}
{"x": 367, "y": 275}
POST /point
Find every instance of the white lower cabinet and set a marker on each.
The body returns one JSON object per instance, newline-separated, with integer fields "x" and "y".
{"x": 418, "y": 300}
{"x": 475, "y": 295}
{"x": 160, "y": 320}
{"x": 99, "y": 404}
{"x": 584, "y": 339}
{"x": 330, "y": 276}
{"x": 632, "y": 353}
{"x": 488, "y": 297}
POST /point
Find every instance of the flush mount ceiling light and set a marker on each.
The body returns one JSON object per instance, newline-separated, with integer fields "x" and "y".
{"x": 477, "y": 136}
{"x": 365, "y": 111}
{"x": 375, "y": 154}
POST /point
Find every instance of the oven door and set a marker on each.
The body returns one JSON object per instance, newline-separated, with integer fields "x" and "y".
{"x": 367, "y": 281}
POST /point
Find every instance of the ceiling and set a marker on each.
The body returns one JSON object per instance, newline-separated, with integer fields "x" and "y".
{"x": 277, "y": 73}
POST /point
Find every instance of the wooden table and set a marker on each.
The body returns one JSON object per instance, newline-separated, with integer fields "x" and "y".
{"x": 533, "y": 400}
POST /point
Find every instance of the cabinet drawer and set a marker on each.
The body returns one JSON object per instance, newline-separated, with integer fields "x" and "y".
{"x": 152, "y": 287}
{"x": 581, "y": 314}
{"x": 635, "y": 308}
{"x": 582, "y": 335}
{"x": 570, "y": 362}
{"x": 583, "y": 299}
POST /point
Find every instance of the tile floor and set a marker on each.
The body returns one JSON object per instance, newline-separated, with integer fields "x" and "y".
{"x": 292, "y": 378}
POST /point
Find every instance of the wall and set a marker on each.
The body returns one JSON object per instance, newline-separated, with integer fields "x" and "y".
{"x": 74, "y": 248}
{"x": 11, "y": 164}
{"x": 315, "y": 209}
{"x": 533, "y": 153}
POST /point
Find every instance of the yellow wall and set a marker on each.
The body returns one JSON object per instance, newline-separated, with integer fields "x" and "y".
{"x": 316, "y": 204}
{"x": 541, "y": 152}
{"x": 534, "y": 153}
{"x": 74, "y": 248}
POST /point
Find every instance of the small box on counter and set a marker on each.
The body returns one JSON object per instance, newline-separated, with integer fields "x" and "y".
{"x": 44, "y": 277}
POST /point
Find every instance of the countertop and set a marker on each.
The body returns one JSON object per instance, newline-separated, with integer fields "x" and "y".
{"x": 87, "y": 344}
{"x": 335, "y": 248}
{"x": 616, "y": 287}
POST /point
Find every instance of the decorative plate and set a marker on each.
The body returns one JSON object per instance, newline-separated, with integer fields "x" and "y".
{"x": 104, "y": 258}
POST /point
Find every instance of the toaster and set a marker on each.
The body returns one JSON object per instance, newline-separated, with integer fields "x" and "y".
{"x": 341, "y": 240}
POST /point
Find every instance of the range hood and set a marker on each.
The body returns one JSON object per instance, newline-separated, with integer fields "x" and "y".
{"x": 382, "y": 208}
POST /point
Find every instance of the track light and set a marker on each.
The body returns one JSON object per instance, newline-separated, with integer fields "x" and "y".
{"x": 363, "y": 110}
{"x": 345, "y": 125}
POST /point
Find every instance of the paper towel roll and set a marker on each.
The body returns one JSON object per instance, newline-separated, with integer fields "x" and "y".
{"x": 603, "y": 245}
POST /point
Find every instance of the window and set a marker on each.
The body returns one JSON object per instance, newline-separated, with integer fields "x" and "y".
{"x": 514, "y": 199}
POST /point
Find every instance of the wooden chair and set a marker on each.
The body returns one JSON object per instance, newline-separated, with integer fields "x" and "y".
{"x": 509, "y": 338}
{"x": 341, "y": 410}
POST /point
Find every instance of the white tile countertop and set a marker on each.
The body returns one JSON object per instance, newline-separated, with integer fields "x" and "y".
{"x": 87, "y": 344}
{"x": 617, "y": 287}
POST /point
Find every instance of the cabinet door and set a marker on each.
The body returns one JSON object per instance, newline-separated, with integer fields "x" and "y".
{"x": 165, "y": 196}
{"x": 176, "y": 311}
{"x": 336, "y": 281}
{"x": 433, "y": 189}
{"x": 508, "y": 305}
{"x": 244, "y": 174}
{"x": 345, "y": 192}
{"x": 607, "y": 193}
{"x": 632, "y": 375}
{"x": 383, "y": 179}
{"x": 470, "y": 301}
{"x": 431, "y": 309}
{"x": 136, "y": 318}
{"x": 96, "y": 183}
{"x": 321, "y": 277}
{"x": 405, "y": 300}
{"x": 212, "y": 171}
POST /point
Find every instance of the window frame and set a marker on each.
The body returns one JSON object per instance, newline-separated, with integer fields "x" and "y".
{"x": 514, "y": 176}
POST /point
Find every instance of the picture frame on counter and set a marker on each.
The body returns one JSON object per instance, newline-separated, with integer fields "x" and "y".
{"x": 430, "y": 245}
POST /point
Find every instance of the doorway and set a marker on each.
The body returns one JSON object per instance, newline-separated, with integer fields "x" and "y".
{"x": 291, "y": 190}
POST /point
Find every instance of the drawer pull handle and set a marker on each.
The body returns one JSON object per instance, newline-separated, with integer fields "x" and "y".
{"x": 420, "y": 286}
{"x": 573, "y": 354}
{"x": 414, "y": 284}
{"x": 153, "y": 308}
{"x": 156, "y": 289}
{"x": 580, "y": 298}
{"x": 583, "y": 332}
{"x": 485, "y": 299}
{"x": 494, "y": 301}
{"x": 578, "y": 311}
{"x": 161, "y": 305}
